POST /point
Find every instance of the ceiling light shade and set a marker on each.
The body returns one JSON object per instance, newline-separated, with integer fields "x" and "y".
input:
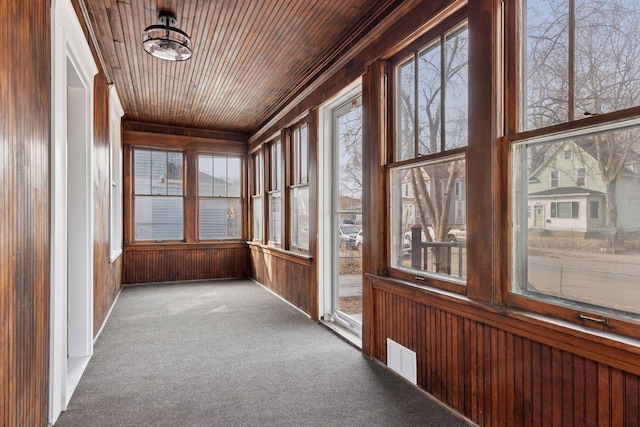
{"x": 165, "y": 41}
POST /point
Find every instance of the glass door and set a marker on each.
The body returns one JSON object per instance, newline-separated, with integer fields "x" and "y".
{"x": 347, "y": 214}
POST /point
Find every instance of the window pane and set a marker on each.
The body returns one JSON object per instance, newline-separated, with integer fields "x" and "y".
{"x": 142, "y": 168}
{"x": 428, "y": 235}
{"x": 205, "y": 175}
{"x": 159, "y": 173}
{"x": 405, "y": 110}
{"x": 234, "y": 184}
{"x": 257, "y": 218}
{"x": 275, "y": 217}
{"x": 304, "y": 155}
{"x": 158, "y": 218}
{"x": 300, "y": 217}
{"x": 174, "y": 174}
{"x": 220, "y": 176}
{"x": 429, "y": 100}
{"x": 276, "y": 166}
{"x": 607, "y": 55}
{"x": 546, "y": 56}
{"x": 220, "y": 218}
{"x": 569, "y": 249}
{"x": 456, "y": 93}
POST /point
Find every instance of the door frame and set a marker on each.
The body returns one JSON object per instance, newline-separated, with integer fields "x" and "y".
{"x": 70, "y": 57}
{"x": 326, "y": 230}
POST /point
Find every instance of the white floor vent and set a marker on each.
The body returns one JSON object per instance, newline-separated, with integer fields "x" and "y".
{"x": 402, "y": 360}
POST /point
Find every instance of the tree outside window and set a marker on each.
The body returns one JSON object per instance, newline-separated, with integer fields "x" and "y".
{"x": 580, "y": 59}
{"x": 299, "y": 187}
{"x": 431, "y": 117}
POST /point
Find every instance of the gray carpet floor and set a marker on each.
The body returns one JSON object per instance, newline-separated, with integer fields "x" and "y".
{"x": 230, "y": 353}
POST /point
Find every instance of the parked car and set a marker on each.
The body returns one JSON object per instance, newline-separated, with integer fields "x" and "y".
{"x": 407, "y": 235}
{"x": 348, "y": 235}
{"x": 457, "y": 234}
{"x": 359, "y": 240}
{"x": 406, "y": 244}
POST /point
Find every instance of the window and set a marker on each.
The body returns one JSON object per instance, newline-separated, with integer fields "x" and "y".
{"x": 275, "y": 192}
{"x": 594, "y": 210}
{"x": 459, "y": 212}
{"x": 219, "y": 201}
{"x": 579, "y": 69}
{"x": 115, "y": 174}
{"x": 431, "y": 131}
{"x": 579, "y": 59}
{"x": 158, "y": 195}
{"x": 299, "y": 186}
{"x": 581, "y": 177}
{"x": 565, "y": 209}
{"x": 554, "y": 178}
{"x": 562, "y": 264}
{"x": 256, "y": 195}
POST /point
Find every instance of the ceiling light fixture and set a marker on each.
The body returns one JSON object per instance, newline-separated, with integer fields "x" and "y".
{"x": 165, "y": 41}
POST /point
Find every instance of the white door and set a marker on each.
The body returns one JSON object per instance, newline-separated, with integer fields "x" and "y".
{"x": 346, "y": 282}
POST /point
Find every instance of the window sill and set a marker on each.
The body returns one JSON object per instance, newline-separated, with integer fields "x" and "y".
{"x": 146, "y": 246}
{"x": 114, "y": 255}
{"x": 283, "y": 253}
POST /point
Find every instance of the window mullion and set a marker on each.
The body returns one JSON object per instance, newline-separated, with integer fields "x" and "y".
{"x": 572, "y": 60}
{"x": 416, "y": 107}
{"x": 443, "y": 85}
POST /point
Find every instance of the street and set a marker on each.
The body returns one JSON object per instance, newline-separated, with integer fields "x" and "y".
{"x": 600, "y": 279}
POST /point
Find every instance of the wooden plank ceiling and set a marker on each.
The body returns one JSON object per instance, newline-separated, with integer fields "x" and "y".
{"x": 249, "y": 56}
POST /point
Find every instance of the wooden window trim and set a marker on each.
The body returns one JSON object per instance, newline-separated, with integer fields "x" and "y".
{"x": 129, "y": 188}
{"x": 256, "y": 189}
{"x": 198, "y": 197}
{"x": 290, "y": 181}
{"x": 516, "y": 132}
{"x": 437, "y": 31}
{"x": 190, "y": 194}
{"x": 271, "y": 189}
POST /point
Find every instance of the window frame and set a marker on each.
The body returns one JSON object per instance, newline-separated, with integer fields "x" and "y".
{"x": 450, "y": 25}
{"x": 295, "y": 180}
{"x": 257, "y": 193}
{"x": 134, "y": 195}
{"x": 116, "y": 181}
{"x": 199, "y": 197}
{"x": 516, "y": 132}
{"x": 274, "y": 187}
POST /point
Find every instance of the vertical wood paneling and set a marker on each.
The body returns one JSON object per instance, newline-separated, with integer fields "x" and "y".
{"x": 169, "y": 265}
{"x": 497, "y": 378}
{"x": 632, "y": 409}
{"x": 107, "y": 275}
{"x": 25, "y": 88}
{"x": 288, "y": 277}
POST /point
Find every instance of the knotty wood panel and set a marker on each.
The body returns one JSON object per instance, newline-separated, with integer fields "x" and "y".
{"x": 25, "y": 76}
{"x": 184, "y": 262}
{"x": 289, "y": 276}
{"x": 497, "y": 377}
{"x": 107, "y": 275}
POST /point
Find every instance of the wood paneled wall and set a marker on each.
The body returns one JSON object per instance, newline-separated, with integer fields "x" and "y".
{"x": 478, "y": 363}
{"x": 25, "y": 83}
{"x": 172, "y": 263}
{"x": 288, "y": 275}
{"x": 107, "y": 275}
{"x": 189, "y": 260}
